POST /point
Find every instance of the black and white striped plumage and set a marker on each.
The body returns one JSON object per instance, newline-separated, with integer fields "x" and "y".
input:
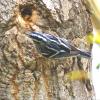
{"x": 51, "y": 46}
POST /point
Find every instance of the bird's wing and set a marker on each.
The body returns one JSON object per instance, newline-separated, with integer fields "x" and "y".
{"x": 59, "y": 41}
{"x": 52, "y": 38}
{"x": 66, "y": 42}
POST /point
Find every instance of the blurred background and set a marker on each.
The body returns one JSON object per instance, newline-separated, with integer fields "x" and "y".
{"x": 94, "y": 8}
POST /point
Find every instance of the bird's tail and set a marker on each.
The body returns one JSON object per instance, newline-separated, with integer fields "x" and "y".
{"x": 85, "y": 54}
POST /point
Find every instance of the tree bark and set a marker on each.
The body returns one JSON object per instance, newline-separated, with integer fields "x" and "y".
{"x": 26, "y": 75}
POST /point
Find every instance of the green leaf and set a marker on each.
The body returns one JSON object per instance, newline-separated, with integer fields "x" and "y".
{"x": 98, "y": 66}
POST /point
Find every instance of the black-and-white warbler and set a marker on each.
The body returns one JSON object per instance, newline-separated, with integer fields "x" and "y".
{"x": 51, "y": 46}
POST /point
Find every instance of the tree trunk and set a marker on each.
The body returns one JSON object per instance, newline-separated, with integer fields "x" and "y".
{"x": 24, "y": 73}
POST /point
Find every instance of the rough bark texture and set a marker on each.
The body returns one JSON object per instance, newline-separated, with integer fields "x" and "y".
{"x": 24, "y": 74}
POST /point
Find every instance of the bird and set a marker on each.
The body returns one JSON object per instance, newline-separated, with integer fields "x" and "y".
{"x": 51, "y": 46}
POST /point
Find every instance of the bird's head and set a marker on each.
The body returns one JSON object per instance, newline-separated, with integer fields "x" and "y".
{"x": 37, "y": 37}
